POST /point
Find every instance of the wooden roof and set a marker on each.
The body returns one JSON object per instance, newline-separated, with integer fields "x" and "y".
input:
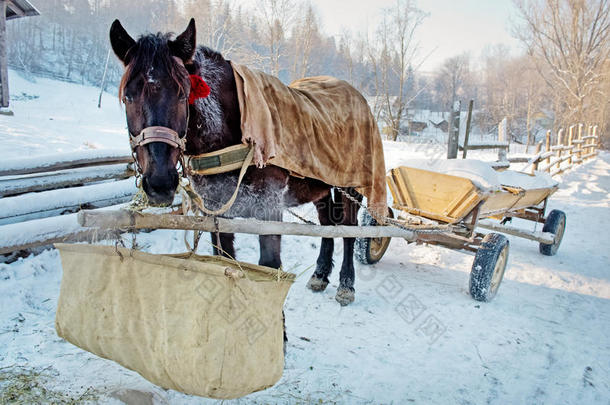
{"x": 19, "y": 8}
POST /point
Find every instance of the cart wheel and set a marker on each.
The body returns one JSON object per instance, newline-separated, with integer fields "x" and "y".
{"x": 371, "y": 250}
{"x": 488, "y": 267}
{"x": 556, "y": 224}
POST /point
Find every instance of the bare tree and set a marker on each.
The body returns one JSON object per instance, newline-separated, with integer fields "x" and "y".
{"x": 452, "y": 79}
{"x": 570, "y": 42}
{"x": 277, "y": 16}
{"x": 394, "y": 60}
{"x": 304, "y": 36}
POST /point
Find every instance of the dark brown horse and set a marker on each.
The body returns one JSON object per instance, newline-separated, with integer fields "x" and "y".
{"x": 155, "y": 90}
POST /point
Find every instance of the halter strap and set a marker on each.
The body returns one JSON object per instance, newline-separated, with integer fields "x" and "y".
{"x": 220, "y": 161}
{"x": 158, "y": 134}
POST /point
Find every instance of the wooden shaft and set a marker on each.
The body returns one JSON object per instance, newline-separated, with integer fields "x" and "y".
{"x": 123, "y": 219}
{"x": 542, "y": 237}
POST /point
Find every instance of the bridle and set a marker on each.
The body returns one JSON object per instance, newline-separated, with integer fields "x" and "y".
{"x": 199, "y": 89}
{"x": 227, "y": 159}
{"x": 158, "y": 134}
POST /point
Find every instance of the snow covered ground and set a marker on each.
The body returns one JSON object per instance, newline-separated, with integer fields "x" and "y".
{"x": 413, "y": 335}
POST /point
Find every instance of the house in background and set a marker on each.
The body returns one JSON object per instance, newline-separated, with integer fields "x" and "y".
{"x": 443, "y": 125}
{"x": 9, "y": 10}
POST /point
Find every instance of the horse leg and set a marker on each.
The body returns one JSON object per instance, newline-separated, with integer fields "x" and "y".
{"x": 223, "y": 246}
{"x": 329, "y": 213}
{"x": 345, "y": 292}
{"x": 270, "y": 246}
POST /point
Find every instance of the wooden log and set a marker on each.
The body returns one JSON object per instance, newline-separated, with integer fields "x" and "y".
{"x": 480, "y": 146}
{"x": 45, "y": 232}
{"x": 500, "y": 166}
{"x": 123, "y": 219}
{"x": 542, "y": 237}
{"x": 11, "y": 186}
{"x": 467, "y": 133}
{"x": 548, "y": 145}
{"x": 65, "y": 165}
{"x": 454, "y": 131}
{"x": 55, "y": 202}
{"x": 579, "y": 142}
{"x": 4, "y": 95}
{"x": 503, "y": 137}
{"x": 559, "y": 147}
{"x": 519, "y": 159}
{"x": 570, "y": 143}
{"x": 589, "y": 155}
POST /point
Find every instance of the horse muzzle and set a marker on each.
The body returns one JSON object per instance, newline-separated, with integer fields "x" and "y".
{"x": 157, "y": 151}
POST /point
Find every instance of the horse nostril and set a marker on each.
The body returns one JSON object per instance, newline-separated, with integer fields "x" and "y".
{"x": 160, "y": 189}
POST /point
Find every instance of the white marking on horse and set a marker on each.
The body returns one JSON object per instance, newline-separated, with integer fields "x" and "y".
{"x": 149, "y": 75}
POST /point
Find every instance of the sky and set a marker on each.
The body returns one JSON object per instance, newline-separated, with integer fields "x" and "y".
{"x": 452, "y": 27}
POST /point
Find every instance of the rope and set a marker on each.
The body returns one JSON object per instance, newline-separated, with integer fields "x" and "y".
{"x": 197, "y": 201}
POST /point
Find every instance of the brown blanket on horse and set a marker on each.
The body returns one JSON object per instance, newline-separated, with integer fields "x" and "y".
{"x": 318, "y": 127}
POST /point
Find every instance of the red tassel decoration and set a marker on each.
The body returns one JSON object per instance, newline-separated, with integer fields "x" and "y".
{"x": 199, "y": 88}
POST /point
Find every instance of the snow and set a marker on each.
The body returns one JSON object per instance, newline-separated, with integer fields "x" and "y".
{"x": 51, "y": 118}
{"x": 20, "y": 163}
{"x": 413, "y": 335}
{"x": 36, "y": 205}
{"x": 483, "y": 175}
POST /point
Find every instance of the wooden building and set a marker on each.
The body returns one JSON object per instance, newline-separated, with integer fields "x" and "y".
{"x": 10, "y": 9}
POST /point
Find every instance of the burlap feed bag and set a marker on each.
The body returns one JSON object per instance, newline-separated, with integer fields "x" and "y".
{"x": 201, "y": 325}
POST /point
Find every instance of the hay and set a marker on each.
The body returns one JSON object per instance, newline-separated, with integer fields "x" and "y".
{"x": 25, "y": 385}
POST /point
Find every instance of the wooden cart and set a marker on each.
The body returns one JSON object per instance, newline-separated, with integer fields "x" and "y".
{"x": 464, "y": 203}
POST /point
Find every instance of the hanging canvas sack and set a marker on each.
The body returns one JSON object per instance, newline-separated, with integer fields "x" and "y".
{"x": 202, "y": 325}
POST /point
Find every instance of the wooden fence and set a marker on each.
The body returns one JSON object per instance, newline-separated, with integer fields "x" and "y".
{"x": 572, "y": 147}
{"x": 39, "y": 201}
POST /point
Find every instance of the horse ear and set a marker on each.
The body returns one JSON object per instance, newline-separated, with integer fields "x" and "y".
{"x": 121, "y": 41}
{"x": 184, "y": 45}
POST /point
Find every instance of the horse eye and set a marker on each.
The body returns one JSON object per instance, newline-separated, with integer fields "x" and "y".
{"x": 127, "y": 99}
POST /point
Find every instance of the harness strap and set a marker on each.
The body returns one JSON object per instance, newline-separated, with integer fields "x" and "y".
{"x": 220, "y": 161}
{"x": 198, "y": 201}
{"x": 158, "y": 134}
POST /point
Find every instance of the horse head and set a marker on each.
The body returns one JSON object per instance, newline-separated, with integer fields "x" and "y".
{"x": 155, "y": 91}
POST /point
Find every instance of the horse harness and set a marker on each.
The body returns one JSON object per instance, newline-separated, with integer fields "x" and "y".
{"x": 216, "y": 162}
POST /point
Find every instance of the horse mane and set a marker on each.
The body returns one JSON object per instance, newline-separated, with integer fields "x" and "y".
{"x": 151, "y": 50}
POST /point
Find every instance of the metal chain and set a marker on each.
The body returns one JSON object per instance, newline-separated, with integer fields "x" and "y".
{"x": 391, "y": 221}
{"x": 305, "y": 220}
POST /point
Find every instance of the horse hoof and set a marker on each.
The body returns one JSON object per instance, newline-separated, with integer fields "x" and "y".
{"x": 345, "y": 296}
{"x": 317, "y": 284}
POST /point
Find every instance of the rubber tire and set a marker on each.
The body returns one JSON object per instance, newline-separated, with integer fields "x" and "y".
{"x": 362, "y": 247}
{"x": 484, "y": 265}
{"x": 555, "y": 223}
